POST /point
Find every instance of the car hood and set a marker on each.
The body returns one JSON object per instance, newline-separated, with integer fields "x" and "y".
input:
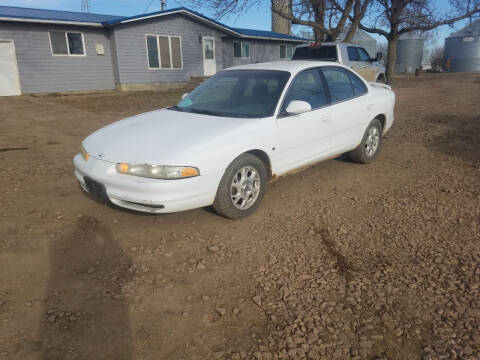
{"x": 164, "y": 137}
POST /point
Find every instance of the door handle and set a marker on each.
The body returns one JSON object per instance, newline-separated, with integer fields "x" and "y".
{"x": 325, "y": 119}
{"x": 370, "y": 107}
{"x": 364, "y": 66}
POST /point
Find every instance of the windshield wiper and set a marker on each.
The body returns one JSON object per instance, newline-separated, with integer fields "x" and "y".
{"x": 206, "y": 112}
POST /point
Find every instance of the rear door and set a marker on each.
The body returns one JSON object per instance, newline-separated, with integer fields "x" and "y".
{"x": 359, "y": 60}
{"x": 303, "y": 138}
{"x": 351, "y": 107}
{"x": 9, "y": 79}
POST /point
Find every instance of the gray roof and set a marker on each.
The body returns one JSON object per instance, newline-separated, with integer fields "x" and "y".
{"x": 472, "y": 29}
{"x": 10, "y": 13}
{"x": 53, "y": 15}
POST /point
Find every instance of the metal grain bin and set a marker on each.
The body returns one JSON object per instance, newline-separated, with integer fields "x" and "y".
{"x": 462, "y": 49}
{"x": 409, "y": 55}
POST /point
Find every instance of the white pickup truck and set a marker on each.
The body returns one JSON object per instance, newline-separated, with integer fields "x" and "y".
{"x": 348, "y": 54}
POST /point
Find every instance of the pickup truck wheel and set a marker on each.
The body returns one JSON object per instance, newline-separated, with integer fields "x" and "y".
{"x": 242, "y": 187}
{"x": 381, "y": 79}
{"x": 370, "y": 146}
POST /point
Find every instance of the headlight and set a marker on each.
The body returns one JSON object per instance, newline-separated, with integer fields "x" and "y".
{"x": 158, "y": 171}
{"x": 84, "y": 153}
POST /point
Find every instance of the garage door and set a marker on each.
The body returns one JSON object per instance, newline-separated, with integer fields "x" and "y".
{"x": 9, "y": 82}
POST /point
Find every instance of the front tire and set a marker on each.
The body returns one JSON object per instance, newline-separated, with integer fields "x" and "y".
{"x": 241, "y": 188}
{"x": 381, "y": 79}
{"x": 370, "y": 146}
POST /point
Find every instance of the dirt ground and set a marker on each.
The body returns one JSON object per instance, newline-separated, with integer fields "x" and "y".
{"x": 341, "y": 261}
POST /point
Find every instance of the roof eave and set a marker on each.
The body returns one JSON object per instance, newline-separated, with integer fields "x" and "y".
{"x": 48, "y": 21}
{"x": 270, "y": 38}
{"x": 180, "y": 11}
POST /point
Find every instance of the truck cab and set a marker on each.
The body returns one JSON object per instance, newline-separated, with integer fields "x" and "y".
{"x": 348, "y": 54}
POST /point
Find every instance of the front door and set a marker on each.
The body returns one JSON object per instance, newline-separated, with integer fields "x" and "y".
{"x": 359, "y": 60}
{"x": 209, "y": 64}
{"x": 304, "y": 138}
{"x": 9, "y": 80}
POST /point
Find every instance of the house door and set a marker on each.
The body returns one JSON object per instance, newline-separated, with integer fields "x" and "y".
{"x": 209, "y": 63}
{"x": 9, "y": 80}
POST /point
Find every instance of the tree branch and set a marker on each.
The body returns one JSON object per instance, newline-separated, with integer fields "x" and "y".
{"x": 373, "y": 30}
{"x": 439, "y": 23}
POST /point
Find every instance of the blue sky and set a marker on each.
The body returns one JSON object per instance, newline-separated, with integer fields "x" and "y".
{"x": 257, "y": 17}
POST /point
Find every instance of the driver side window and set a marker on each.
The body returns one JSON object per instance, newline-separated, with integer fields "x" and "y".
{"x": 307, "y": 86}
{"x": 363, "y": 55}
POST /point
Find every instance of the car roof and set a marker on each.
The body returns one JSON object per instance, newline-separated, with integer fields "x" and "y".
{"x": 292, "y": 66}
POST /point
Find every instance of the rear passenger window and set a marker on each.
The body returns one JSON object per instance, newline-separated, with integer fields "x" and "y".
{"x": 359, "y": 87}
{"x": 307, "y": 86}
{"x": 339, "y": 83}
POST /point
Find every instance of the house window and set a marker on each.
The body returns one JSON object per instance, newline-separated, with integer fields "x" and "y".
{"x": 286, "y": 51}
{"x": 241, "y": 49}
{"x": 164, "y": 52}
{"x": 67, "y": 43}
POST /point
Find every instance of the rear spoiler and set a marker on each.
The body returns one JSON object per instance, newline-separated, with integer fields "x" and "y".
{"x": 377, "y": 84}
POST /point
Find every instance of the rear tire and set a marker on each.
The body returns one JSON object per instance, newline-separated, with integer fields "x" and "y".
{"x": 241, "y": 188}
{"x": 370, "y": 146}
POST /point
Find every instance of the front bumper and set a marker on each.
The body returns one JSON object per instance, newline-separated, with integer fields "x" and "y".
{"x": 145, "y": 194}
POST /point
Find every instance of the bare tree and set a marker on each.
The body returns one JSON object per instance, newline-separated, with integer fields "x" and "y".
{"x": 327, "y": 18}
{"x": 392, "y": 18}
{"x": 436, "y": 57}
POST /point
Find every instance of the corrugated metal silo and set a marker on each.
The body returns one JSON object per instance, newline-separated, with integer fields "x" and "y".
{"x": 409, "y": 54}
{"x": 462, "y": 49}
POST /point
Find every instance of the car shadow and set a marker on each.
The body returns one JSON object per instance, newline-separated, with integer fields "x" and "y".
{"x": 86, "y": 313}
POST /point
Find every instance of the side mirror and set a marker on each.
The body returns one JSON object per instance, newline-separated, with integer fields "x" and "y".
{"x": 185, "y": 95}
{"x": 298, "y": 107}
{"x": 379, "y": 56}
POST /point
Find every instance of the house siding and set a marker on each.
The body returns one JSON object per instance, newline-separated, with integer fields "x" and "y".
{"x": 42, "y": 72}
{"x": 132, "y": 53}
{"x": 260, "y": 51}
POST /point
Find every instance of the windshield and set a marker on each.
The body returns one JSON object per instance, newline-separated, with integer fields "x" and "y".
{"x": 237, "y": 93}
{"x": 325, "y": 53}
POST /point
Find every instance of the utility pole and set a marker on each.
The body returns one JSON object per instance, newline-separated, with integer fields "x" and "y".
{"x": 85, "y": 6}
{"x": 163, "y": 5}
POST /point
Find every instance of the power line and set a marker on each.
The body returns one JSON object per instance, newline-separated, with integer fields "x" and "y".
{"x": 85, "y": 6}
{"x": 148, "y": 6}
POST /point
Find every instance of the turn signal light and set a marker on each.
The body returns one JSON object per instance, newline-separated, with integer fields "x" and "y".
{"x": 189, "y": 172}
{"x": 122, "y": 168}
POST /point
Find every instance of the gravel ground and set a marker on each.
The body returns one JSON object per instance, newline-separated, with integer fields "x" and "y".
{"x": 341, "y": 261}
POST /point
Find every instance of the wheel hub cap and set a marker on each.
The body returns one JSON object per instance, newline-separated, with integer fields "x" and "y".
{"x": 245, "y": 188}
{"x": 372, "y": 141}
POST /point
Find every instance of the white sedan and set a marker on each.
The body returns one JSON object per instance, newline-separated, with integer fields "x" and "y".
{"x": 225, "y": 140}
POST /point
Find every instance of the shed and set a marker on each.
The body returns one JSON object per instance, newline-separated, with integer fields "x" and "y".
{"x": 363, "y": 39}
